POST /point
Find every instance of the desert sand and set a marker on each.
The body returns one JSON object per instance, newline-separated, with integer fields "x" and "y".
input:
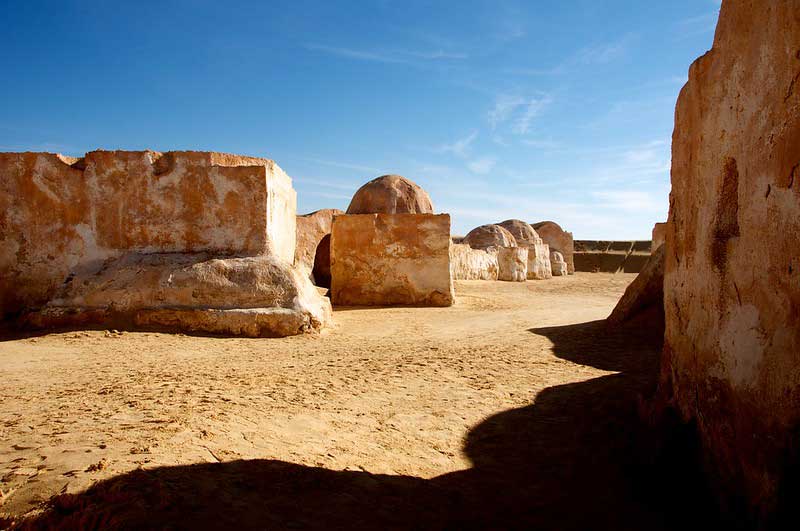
{"x": 511, "y": 408}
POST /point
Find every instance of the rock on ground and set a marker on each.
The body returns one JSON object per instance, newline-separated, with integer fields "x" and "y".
{"x": 254, "y": 296}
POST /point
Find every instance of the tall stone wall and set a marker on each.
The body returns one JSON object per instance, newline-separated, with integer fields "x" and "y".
{"x": 61, "y": 216}
{"x": 391, "y": 259}
{"x": 732, "y": 272}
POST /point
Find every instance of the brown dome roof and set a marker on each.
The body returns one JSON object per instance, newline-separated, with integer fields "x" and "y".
{"x": 487, "y": 236}
{"x": 521, "y": 230}
{"x": 390, "y": 194}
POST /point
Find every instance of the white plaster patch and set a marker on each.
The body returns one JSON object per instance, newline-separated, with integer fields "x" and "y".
{"x": 741, "y": 344}
{"x": 42, "y": 185}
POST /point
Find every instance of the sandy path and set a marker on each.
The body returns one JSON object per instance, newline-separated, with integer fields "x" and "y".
{"x": 388, "y": 391}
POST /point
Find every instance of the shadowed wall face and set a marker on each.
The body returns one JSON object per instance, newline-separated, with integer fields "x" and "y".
{"x": 388, "y": 259}
{"x": 732, "y": 272}
{"x": 62, "y": 216}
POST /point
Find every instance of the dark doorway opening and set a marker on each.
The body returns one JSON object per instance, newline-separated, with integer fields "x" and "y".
{"x": 322, "y": 263}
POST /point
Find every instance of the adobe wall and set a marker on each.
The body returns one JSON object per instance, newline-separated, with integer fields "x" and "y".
{"x": 513, "y": 263}
{"x": 659, "y": 235}
{"x": 467, "y": 263}
{"x": 391, "y": 259}
{"x": 559, "y": 240}
{"x": 732, "y": 271}
{"x": 311, "y": 229}
{"x": 62, "y": 216}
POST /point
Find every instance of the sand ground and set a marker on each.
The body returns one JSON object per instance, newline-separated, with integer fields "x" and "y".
{"x": 417, "y": 415}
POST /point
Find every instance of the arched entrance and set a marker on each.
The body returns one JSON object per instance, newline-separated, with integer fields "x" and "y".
{"x": 322, "y": 263}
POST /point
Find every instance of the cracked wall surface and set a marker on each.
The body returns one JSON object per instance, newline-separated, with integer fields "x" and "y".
{"x": 109, "y": 236}
{"x": 391, "y": 259}
{"x": 732, "y": 270}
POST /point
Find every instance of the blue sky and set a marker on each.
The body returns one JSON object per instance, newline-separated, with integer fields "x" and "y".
{"x": 535, "y": 110}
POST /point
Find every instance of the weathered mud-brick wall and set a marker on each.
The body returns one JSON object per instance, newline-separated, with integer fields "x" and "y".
{"x": 467, "y": 263}
{"x": 539, "y": 267}
{"x": 513, "y": 263}
{"x": 732, "y": 272}
{"x": 559, "y": 240}
{"x": 659, "y": 236}
{"x": 61, "y": 216}
{"x": 313, "y": 241}
{"x": 391, "y": 259}
{"x": 558, "y": 265}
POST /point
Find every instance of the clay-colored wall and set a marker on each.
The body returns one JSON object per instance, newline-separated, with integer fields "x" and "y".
{"x": 311, "y": 228}
{"x": 61, "y": 216}
{"x": 391, "y": 259}
{"x": 659, "y": 235}
{"x": 539, "y": 267}
{"x": 513, "y": 263}
{"x": 558, "y": 239}
{"x": 467, "y": 263}
{"x": 732, "y": 272}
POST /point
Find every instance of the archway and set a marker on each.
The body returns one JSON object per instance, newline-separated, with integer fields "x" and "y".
{"x": 322, "y": 263}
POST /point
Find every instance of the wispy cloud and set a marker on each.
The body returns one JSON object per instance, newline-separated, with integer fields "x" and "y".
{"x": 532, "y": 109}
{"x": 482, "y": 165}
{"x": 328, "y": 195}
{"x": 504, "y": 105}
{"x": 344, "y": 165}
{"x": 540, "y": 144}
{"x": 629, "y": 201}
{"x": 604, "y": 53}
{"x": 459, "y": 147}
{"x": 325, "y": 183}
{"x": 647, "y": 153}
{"x": 594, "y": 54}
{"x": 521, "y": 110}
{"x": 388, "y": 56}
{"x": 697, "y": 25}
{"x": 500, "y": 141}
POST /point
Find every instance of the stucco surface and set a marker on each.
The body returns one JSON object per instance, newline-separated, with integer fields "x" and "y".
{"x": 391, "y": 259}
{"x": 467, "y": 263}
{"x": 61, "y": 216}
{"x": 732, "y": 271}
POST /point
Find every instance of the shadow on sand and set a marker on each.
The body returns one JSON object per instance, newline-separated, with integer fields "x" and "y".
{"x": 566, "y": 461}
